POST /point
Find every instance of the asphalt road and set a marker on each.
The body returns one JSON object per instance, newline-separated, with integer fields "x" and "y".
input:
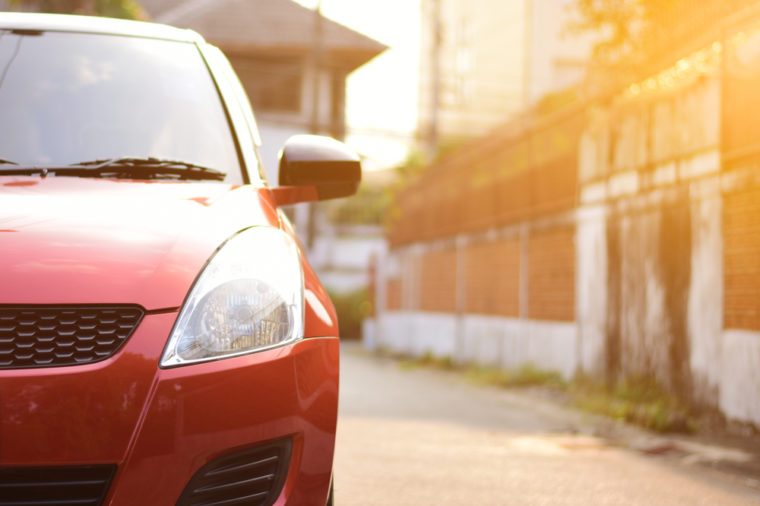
{"x": 424, "y": 437}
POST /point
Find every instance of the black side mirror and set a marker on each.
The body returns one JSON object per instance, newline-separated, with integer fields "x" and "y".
{"x": 325, "y": 164}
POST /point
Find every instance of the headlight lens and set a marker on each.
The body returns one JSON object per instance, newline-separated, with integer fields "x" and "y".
{"x": 248, "y": 298}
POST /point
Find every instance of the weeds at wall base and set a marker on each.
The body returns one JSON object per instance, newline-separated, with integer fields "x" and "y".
{"x": 638, "y": 401}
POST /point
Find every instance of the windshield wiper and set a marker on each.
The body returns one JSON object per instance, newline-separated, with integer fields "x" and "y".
{"x": 148, "y": 168}
{"x": 7, "y": 162}
{"x": 128, "y": 168}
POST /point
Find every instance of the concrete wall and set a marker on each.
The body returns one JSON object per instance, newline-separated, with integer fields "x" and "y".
{"x": 491, "y": 340}
{"x": 653, "y": 272}
{"x": 342, "y": 256}
{"x": 503, "y": 298}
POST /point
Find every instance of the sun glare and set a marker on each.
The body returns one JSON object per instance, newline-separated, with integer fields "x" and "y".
{"x": 381, "y": 105}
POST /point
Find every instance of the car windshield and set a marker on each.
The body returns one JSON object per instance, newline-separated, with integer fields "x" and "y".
{"x": 68, "y": 98}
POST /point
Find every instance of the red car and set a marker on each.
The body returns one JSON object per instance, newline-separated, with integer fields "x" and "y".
{"x": 162, "y": 338}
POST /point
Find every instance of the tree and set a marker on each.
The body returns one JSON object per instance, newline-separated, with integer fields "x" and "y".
{"x": 626, "y": 31}
{"x": 128, "y": 9}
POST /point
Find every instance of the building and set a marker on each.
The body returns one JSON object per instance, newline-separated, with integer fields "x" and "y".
{"x": 271, "y": 44}
{"x": 485, "y": 60}
{"x": 557, "y": 58}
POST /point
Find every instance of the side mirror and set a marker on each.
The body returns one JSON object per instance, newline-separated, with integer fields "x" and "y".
{"x": 316, "y": 168}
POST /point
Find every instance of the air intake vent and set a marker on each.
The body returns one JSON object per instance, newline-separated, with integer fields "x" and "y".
{"x": 55, "y": 486}
{"x": 57, "y": 336}
{"x": 249, "y": 477}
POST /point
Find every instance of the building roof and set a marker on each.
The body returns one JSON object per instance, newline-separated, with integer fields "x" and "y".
{"x": 89, "y": 24}
{"x": 274, "y": 26}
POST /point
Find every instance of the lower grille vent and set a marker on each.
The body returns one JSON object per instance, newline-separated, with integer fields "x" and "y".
{"x": 253, "y": 476}
{"x": 55, "y": 486}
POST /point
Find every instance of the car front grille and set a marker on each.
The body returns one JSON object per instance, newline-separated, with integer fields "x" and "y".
{"x": 55, "y": 486}
{"x": 253, "y": 476}
{"x": 40, "y": 336}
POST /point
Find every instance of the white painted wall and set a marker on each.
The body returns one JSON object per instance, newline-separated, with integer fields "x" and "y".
{"x": 512, "y": 343}
{"x": 591, "y": 287}
{"x": 740, "y": 376}
{"x": 417, "y": 333}
{"x": 342, "y": 258}
{"x": 273, "y": 137}
{"x": 346, "y": 251}
{"x": 705, "y": 313}
{"x": 502, "y": 342}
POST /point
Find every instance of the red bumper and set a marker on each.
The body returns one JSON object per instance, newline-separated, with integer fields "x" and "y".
{"x": 161, "y": 425}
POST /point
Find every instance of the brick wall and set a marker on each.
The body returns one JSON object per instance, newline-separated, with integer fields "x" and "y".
{"x": 508, "y": 177}
{"x": 551, "y": 274}
{"x": 393, "y": 294}
{"x": 493, "y": 278}
{"x": 741, "y": 228}
{"x": 438, "y": 270}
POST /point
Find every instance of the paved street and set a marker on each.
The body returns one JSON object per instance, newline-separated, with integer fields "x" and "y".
{"x": 424, "y": 437}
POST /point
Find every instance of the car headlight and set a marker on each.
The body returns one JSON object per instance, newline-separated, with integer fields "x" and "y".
{"x": 248, "y": 298}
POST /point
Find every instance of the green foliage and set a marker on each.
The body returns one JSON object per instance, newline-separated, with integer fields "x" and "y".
{"x": 378, "y": 204}
{"x": 368, "y": 207}
{"x": 615, "y": 22}
{"x": 450, "y": 145}
{"x": 625, "y": 31}
{"x": 640, "y": 401}
{"x": 127, "y": 9}
{"x": 352, "y": 308}
{"x": 526, "y": 376}
{"x": 411, "y": 168}
{"x": 407, "y": 173}
{"x": 428, "y": 360}
{"x": 557, "y": 101}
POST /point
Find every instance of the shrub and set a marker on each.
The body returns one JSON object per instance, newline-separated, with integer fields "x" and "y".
{"x": 352, "y": 308}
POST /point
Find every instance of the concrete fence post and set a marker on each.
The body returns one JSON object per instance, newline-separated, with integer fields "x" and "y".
{"x": 460, "y": 287}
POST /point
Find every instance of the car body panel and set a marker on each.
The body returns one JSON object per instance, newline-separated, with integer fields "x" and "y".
{"x": 162, "y": 425}
{"x": 115, "y": 241}
{"x": 83, "y": 414}
{"x": 93, "y": 241}
{"x": 232, "y": 403}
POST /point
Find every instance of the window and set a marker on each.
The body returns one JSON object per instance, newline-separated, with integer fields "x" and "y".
{"x": 70, "y": 98}
{"x": 273, "y": 85}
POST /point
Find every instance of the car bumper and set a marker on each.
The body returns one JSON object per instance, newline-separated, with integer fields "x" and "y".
{"x": 160, "y": 426}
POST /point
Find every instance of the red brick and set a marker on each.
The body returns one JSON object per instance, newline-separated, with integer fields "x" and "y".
{"x": 741, "y": 243}
{"x": 438, "y": 281}
{"x": 493, "y": 278}
{"x": 551, "y": 274}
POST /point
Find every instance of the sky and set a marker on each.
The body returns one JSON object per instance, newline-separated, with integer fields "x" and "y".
{"x": 382, "y": 95}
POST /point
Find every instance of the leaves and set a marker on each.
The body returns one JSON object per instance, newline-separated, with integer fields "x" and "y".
{"x": 626, "y": 31}
{"x": 127, "y": 9}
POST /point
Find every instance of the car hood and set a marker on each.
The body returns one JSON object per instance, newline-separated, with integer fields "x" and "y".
{"x": 96, "y": 241}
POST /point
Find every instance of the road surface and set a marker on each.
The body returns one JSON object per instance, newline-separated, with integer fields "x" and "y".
{"x": 423, "y": 437}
